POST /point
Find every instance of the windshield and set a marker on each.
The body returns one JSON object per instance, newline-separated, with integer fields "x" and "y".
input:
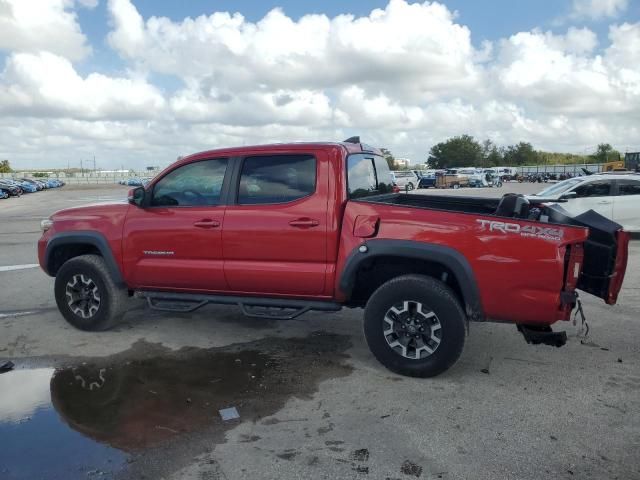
{"x": 559, "y": 188}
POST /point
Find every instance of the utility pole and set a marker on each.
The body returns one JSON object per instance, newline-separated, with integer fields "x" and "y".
{"x": 81, "y": 169}
{"x": 94, "y": 163}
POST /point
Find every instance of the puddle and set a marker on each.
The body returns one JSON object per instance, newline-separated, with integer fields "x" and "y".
{"x": 100, "y": 416}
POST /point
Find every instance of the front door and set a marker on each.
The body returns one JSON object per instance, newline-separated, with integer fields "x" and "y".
{"x": 275, "y": 233}
{"x": 175, "y": 241}
{"x": 594, "y": 195}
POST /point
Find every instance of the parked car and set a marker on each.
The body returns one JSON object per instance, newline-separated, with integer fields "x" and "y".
{"x": 316, "y": 226}
{"x": 27, "y": 187}
{"x": 4, "y": 193}
{"x": 13, "y": 189}
{"x": 405, "y": 179}
{"x": 451, "y": 178}
{"x": 428, "y": 180}
{"x": 35, "y": 183}
{"x": 612, "y": 195}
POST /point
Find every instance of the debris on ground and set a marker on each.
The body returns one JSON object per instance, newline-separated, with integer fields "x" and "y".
{"x": 229, "y": 414}
{"x": 7, "y": 367}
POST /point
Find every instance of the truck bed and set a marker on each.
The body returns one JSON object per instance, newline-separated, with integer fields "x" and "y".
{"x": 478, "y": 205}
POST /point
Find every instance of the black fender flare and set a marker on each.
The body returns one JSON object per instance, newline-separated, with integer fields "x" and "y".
{"x": 94, "y": 239}
{"x": 447, "y": 256}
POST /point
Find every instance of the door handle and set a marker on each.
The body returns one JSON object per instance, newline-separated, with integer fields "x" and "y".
{"x": 304, "y": 223}
{"x": 206, "y": 223}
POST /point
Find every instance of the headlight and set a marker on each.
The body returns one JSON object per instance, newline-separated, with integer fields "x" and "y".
{"x": 46, "y": 224}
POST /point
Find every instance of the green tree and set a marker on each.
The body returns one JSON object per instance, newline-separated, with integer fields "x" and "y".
{"x": 521, "y": 154}
{"x": 606, "y": 153}
{"x": 462, "y": 151}
{"x": 492, "y": 156}
{"x": 388, "y": 156}
{"x": 5, "y": 167}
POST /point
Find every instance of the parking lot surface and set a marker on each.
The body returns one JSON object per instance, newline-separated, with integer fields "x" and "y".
{"x": 143, "y": 400}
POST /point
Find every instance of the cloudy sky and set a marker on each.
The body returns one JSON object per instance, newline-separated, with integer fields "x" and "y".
{"x": 139, "y": 82}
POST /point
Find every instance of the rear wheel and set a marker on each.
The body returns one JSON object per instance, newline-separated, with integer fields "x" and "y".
{"x": 415, "y": 326}
{"x": 86, "y": 295}
{"x": 409, "y": 186}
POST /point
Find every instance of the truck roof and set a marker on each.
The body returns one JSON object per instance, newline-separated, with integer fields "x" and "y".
{"x": 279, "y": 147}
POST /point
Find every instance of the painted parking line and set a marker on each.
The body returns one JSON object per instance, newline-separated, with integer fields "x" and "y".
{"x": 10, "y": 268}
{"x": 15, "y": 314}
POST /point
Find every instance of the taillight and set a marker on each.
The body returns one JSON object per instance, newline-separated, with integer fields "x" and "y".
{"x": 574, "y": 267}
{"x": 395, "y": 188}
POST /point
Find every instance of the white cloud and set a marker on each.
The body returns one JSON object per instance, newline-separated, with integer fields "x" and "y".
{"x": 416, "y": 46}
{"x": 597, "y": 9}
{"x": 35, "y": 25}
{"x": 561, "y": 74}
{"x": 45, "y": 84}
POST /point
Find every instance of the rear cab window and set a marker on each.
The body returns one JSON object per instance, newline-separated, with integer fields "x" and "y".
{"x": 272, "y": 179}
{"x": 368, "y": 175}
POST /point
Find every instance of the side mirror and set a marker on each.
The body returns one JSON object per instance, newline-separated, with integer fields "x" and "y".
{"x": 568, "y": 195}
{"x": 136, "y": 196}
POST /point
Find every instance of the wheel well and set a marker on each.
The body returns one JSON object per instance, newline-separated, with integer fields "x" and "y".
{"x": 61, "y": 254}
{"x": 373, "y": 273}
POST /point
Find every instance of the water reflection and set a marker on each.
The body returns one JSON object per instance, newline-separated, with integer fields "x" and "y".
{"x": 22, "y": 392}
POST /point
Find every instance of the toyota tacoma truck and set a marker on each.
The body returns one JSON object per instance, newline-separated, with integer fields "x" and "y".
{"x": 283, "y": 229}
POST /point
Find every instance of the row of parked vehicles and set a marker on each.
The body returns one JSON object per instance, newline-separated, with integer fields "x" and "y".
{"x": 15, "y": 187}
{"x": 135, "y": 181}
{"x": 452, "y": 178}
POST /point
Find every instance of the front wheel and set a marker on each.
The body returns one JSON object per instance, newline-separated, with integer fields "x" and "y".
{"x": 86, "y": 294}
{"x": 415, "y": 326}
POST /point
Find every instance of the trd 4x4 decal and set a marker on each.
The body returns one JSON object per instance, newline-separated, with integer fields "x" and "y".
{"x": 548, "y": 233}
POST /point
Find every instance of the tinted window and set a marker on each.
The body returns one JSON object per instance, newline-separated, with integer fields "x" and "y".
{"x": 194, "y": 184}
{"x": 276, "y": 179}
{"x": 594, "y": 189}
{"x": 368, "y": 175}
{"x": 628, "y": 187}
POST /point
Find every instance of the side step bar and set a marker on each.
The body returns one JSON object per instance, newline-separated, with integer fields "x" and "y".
{"x": 256, "y": 307}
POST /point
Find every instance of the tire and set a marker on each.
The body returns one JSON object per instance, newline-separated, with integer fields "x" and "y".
{"x": 409, "y": 186}
{"x": 101, "y": 302}
{"x": 456, "y": 186}
{"x": 445, "y": 317}
{"x": 499, "y": 184}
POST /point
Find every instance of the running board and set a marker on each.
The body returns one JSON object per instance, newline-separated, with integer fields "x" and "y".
{"x": 542, "y": 334}
{"x": 256, "y": 307}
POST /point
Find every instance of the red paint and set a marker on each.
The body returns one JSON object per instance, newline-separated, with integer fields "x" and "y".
{"x": 299, "y": 249}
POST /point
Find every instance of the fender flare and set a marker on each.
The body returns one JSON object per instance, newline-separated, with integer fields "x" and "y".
{"x": 447, "y": 256}
{"x": 94, "y": 239}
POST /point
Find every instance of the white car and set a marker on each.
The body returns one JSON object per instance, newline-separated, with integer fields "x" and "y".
{"x": 405, "y": 179}
{"x": 615, "y": 196}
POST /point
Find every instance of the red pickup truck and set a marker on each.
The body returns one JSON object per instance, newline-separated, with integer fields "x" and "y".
{"x": 283, "y": 229}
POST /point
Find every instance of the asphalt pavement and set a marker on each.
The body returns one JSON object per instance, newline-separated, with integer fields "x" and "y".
{"x": 143, "y": 400}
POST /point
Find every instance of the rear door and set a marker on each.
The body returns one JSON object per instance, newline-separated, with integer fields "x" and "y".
{"x": 596, "y": 195}
{"x": 626, "y": 204}
{"x": 275, "y": 229}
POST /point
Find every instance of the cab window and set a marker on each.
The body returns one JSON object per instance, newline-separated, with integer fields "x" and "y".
{"x": 276, "y": 179}
{"x": 194, "y": 184}
{"x": 601, "y": 188}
